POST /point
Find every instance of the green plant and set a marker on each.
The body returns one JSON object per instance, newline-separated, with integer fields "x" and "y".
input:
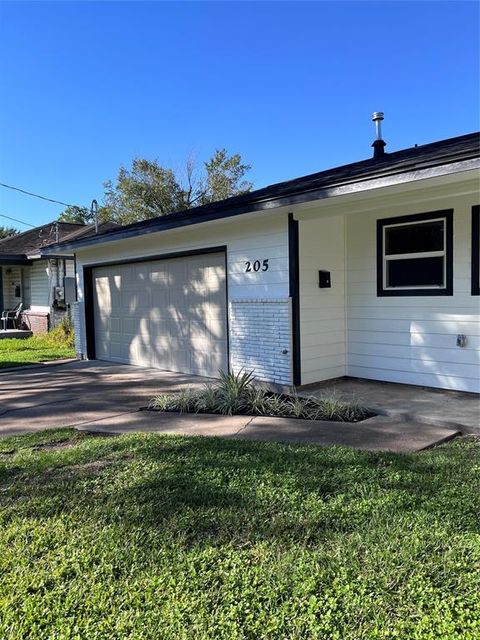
{"x": 232, "y": 391}
{"x": 236, "y": 393}
{"x": 62, "y": 333}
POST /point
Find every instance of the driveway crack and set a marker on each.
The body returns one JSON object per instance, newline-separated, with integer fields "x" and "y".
{"x": 244, "y": 426}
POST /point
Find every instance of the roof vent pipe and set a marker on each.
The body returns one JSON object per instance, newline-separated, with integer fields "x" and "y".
{"x": 379, "y": 144}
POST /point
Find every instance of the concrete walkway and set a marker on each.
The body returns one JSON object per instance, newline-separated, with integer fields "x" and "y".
{"x": 104, "y": 397}
{"x": 375, "y": 434}
{"x": 42, "y": 397}
{"x": 409, "y": 403}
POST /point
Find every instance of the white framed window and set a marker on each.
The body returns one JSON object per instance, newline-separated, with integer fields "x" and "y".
{"x": 414, "y": 254}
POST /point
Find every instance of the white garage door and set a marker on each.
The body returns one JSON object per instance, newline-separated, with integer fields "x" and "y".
{"x": 170, "y": 314}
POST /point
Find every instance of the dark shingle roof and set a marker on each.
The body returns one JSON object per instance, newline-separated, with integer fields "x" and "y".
{"x": 420, "y": 157}
{"x": 31, "y": 242}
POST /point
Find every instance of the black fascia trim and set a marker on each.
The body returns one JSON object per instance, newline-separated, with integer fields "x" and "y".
{"x": 89, "y": 302}
{"x": 89, "y": 297}
{"x": 417, "y": 217}
{"x": 294, "y": 292}
{"x": 163, "y": 256}
{"x": 476, "y": 250}
{"x": 14, "y": 259}
{"x": 260, "y": 203}
{"x": 227, "y": 309}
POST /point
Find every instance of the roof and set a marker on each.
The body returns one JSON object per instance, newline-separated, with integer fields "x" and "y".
{"x": 89, "y": 230}
{"x": 305, "y": 188}
{"x": 33, "y": 241}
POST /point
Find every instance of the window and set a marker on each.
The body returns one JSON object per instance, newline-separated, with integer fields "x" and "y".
{"x": 476, "y": 251}
{"x": 414, "y": 255}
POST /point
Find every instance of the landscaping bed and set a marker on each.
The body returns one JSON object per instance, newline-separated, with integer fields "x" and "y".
{"x": 238, "y": 394}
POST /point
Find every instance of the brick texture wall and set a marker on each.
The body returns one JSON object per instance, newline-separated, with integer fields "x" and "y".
{"x": 260, "y": 334}
{"x": 35, "y": 321}
{"x": 76, "y": 310}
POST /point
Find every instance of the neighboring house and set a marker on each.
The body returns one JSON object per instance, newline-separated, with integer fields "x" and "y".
{"x": 37, "y": 281}
{"x": 367, "y": 270}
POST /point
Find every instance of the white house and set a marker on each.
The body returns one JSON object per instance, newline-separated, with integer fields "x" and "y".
{"x": 368, "y": 270}
{"x": 43, "y": 285}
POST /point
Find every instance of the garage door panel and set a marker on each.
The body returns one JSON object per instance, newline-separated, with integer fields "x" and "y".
{"x": 170, "y": 314}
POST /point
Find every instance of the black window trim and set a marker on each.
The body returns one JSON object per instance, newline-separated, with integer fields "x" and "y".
{"x": 476, "y": 250}
{"x": 447, "y": 214}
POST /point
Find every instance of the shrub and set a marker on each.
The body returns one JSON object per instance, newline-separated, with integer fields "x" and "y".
{"x": 62, "y": 333}
{"x": 238, "y": 394}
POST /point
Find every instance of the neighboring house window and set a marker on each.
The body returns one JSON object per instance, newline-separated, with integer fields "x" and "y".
{"x": 476, "y": 250}
{"x": 415, "y": 255}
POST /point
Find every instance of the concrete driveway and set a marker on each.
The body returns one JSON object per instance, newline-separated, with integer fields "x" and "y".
{"x": 79, "y": 392}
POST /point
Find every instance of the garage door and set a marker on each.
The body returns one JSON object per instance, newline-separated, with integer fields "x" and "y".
{"x": 170, "y": 314}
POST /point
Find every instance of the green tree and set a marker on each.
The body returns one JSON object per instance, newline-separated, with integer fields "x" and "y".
{"x": 148, "y": 190}
{"x": 78, "y": 215}
{"x": 6, "y": 232}
{"x": 224, "y": 177}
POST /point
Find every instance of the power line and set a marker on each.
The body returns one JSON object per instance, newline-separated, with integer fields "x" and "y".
{"x": 36, "y": 195}
{"x": 27, "y": 224}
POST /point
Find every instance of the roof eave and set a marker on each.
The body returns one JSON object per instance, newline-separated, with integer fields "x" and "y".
{"x": 188, "y": 218}
{"x": 11, "y": 259}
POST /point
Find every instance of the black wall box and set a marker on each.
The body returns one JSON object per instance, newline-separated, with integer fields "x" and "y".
{"x": 324, "y": 281}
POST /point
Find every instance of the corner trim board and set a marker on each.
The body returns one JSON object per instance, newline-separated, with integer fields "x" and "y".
{"x": 476, "y": 250}
{"x": 294, "y": 292}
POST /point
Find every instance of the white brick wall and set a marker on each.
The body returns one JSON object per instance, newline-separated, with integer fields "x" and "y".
{"x": 260, "y": 331}
{"x": 77, "y": 311}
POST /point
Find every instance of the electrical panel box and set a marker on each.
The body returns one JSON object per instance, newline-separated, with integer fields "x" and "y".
{"x": 59, "y": 295}
{"x": 69, "y": 287}
{"x": 324, "y": 280}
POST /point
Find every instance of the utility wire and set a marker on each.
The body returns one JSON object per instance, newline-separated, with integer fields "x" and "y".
{"x": 36, "y": 195}
{"x": 27, "y": 224}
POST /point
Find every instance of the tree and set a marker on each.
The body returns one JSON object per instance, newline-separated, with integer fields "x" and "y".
{"x": 148, "y": 190}
{"x": 224, "y": 177}
{"x": 6, "y": 232}
{"x": 78, "y": 215}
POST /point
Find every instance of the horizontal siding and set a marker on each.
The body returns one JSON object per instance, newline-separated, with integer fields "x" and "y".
{"x": 256, "y": 239}
{"x": 246, "y": 240}
{"x": 322, "y": 311}
{"x": 412, "y": 339}
{"x": 39, "y": 285}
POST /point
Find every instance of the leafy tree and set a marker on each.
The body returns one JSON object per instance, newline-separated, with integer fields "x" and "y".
{"x": 224, "y": 177}
{"x": 79, "y": 215}
{"x": 145, "y": 191}
{"x": 148, "y": 190}
{"x": 6, "y": 232}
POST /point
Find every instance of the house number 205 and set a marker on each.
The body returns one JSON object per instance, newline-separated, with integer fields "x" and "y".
{"x": 256, "y": 265}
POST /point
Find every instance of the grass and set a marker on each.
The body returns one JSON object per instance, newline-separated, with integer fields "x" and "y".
{"x": 238, "y": 393}
{"x": 151, "y": 537}
{"x": 54, "y": 345}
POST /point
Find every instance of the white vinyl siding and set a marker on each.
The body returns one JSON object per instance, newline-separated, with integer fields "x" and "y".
{"x": 246, "y": 239}
{"x": 412, "y": 339}
{"x": 12, "y": 277}
{"x": 39, "y": 286}
{"x": 322, "y": 311}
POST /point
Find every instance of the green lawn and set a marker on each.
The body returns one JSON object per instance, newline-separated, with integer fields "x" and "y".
{"x": 151, "y": 537}
{"x": 14, "y": 351}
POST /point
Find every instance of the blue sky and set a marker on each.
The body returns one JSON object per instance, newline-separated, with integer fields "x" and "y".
{"x": 289, "y": 85}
